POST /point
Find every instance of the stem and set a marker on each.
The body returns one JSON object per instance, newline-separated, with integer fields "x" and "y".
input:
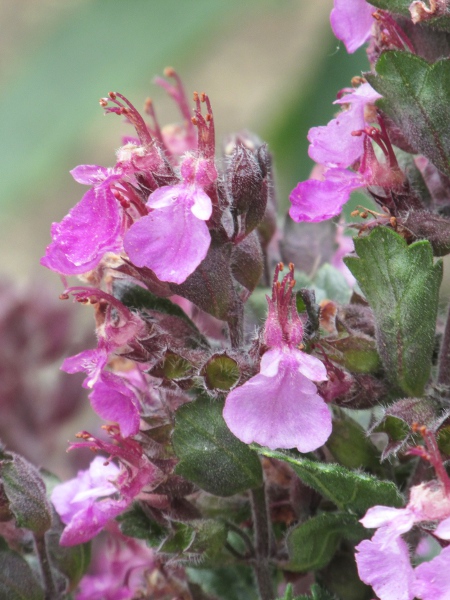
{"x": 443, "y": 377}
{"x": 262, "y": 543}
{"x": 49, "y": 584}
{"x": 243, "y": 535}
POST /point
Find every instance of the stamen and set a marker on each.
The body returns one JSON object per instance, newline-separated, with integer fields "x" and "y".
{"x": 431, "y": 454}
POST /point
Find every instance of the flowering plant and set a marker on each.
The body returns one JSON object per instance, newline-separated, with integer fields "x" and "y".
{"x": 287, "y": 447}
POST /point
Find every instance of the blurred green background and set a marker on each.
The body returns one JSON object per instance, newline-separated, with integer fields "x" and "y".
{"x": 271, "y": 66}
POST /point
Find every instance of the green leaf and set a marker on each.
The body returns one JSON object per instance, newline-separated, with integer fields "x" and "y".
{"x": 349, "y": 444}
{"x": 357, "y": 354}
{"x": 17, "y": 581}
{"x": 210, "y": 455}
{"x": 230, "y": 583}
{"x": 401, "y": 284}
{"x": 136, "y": 524}
{"x": 26, "y": 492}
{"x": 415, "y": 95}
{"x": 312, "y": 544}
{"x": 349, "y": 490}
{"x": 198, "y": 539}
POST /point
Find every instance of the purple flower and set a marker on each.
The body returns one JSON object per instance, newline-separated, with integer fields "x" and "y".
{"x": 280, "y": 407}
{"x": 351, "y": 22}
{"x": 334, "y": 145}
{"x": 319, "y": 199}
{"x": 90, "y": 500}
{"x": 173, "y": 239}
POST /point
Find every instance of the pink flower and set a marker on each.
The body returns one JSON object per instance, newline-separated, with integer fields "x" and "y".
{"x": 119, "y": 572}
{"x": 384, "y": 561}
{"x": 90, "y": 500}
{"x": 351, "y": 22}
{"x": 173, "y": 239}
{"x": 280, "y": 407}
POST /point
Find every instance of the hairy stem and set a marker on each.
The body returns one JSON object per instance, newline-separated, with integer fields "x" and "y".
{"x": 261, "y": 525}
{"x": 46, "y": 569}
{"x": 443, "y": 377}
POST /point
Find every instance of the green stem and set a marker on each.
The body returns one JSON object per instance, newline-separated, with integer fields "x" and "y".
{"x": 261, "y": 526}
{"x": 46, "y": 569}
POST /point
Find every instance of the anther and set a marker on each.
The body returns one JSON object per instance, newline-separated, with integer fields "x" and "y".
{"x": 203, "y": 97}
{"x": 354, "y": 213}
{"x": 112, "y": 95}
{"x": 169, "y": 72}
{"x": 195, "y": 96}
{"x": 64, "y": 296}
{"x": 103, "y": 102}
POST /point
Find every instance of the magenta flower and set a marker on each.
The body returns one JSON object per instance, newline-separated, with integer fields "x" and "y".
{"x": 90, "y": 500}
{"x": 334, "y": 145}
{"x": 173, "y": 239}
{"x": 351, "y": 22}
{"x": 319, "y": 199}
{"x": 280, "y": 407}
{"x": 433, "y": 578}
{"x": 113, "y": 396}
{"x": 92, "y": 228}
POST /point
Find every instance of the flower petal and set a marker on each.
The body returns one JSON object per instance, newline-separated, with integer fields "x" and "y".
{"x": 386, "y": 567}
{"x": 351, "y": 22}
{"x": 433, "y": 578}
{"x": 281, "y": 411}
{"x": 114, "y": 401}
{"x": 90, "y": 230}
{"x": 171, "y": 241}
{"x": 315, "y": 200}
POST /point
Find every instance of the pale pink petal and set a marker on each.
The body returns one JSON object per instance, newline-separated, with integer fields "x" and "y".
{"x": 202, "y": 205}
{"x": 282, "y": 411}
{"x": 165, "y": 196}
{"x": 379, "y": 516}
{"x": 170, "y": 241}
{"x": 270, "y": 362}
{"x": 443, "y": 529}
{"x": 386, "y": 568}
{"x": 351, "y": 21}
{"x": 433, "y": 578}
{"x": 92, "y": 174}
{"x": 310, "y": 366}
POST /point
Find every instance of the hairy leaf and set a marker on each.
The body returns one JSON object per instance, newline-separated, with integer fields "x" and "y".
{"x": 210, "y": 455}
{"x": 415, "y": 95}
{"x": 349, "y": 490}
{"x": 401, "y": 284}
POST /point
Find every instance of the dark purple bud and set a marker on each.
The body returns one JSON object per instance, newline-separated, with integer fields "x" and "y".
{"x": 247, "y": 262}
{"x": 247, "y": 185}
{"x": 423, "y": 225}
